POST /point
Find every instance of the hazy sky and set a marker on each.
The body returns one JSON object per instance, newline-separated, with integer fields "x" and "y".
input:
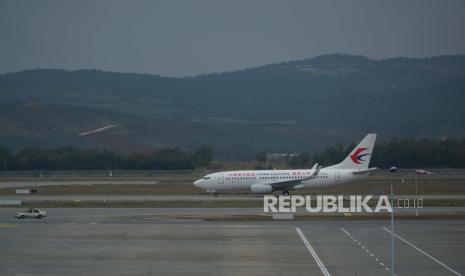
{"x": 178, "y": 38}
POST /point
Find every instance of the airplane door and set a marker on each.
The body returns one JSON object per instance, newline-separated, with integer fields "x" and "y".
{"x": 337, "y": 178}
{"x": 221, "y": 179}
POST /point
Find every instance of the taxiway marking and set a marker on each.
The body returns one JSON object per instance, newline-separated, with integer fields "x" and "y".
{"x": 423, "y": 252}
{"x": 312, "y": 251}
{"x": 370, "y": 253}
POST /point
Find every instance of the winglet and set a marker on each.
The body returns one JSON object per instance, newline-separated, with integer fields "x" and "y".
{"x": 315, "y": 170}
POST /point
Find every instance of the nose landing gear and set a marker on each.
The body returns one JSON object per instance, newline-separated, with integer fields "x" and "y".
{"x": 213, "y": 192}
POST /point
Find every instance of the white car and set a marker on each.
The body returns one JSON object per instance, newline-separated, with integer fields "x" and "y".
{"x": 31, "y": 213}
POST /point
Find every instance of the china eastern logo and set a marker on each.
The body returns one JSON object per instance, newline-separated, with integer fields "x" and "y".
{"x": 357, "y": 156}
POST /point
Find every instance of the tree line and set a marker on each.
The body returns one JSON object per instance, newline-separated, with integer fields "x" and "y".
{"x": 403, "y": 153}
{"x": 72, "y": 158}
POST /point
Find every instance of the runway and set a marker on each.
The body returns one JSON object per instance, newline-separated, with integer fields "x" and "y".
{"x": 116, "y": 198}
{"x": 85, "y": 241}
{"x": 40, "y": 183}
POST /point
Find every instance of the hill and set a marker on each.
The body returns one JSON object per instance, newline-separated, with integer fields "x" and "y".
{"x": 287, "y": 107}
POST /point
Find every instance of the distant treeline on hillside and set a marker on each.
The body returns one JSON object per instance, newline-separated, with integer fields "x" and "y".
{"x": 71, "y": 158}
{"x": 403, "y": 153}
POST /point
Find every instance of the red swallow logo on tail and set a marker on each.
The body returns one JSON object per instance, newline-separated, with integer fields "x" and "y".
{"x": 357, "y": 156}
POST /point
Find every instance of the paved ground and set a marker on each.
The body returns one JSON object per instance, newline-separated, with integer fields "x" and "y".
{"x": 35, "y": 198}
{"x": 166, "y": 241}
{"x": 39, "y": 183}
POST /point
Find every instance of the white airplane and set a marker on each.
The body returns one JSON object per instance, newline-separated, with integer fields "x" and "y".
{"x": 353, "y": 167}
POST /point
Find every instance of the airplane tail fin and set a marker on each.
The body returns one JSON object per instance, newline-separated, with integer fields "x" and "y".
{"x": 359, "y": 158}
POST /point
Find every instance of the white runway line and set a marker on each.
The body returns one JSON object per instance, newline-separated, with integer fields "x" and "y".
{"x": 363, "y": 247}
{"x": 423, "y": 252}
{"x": 312, "y": 251}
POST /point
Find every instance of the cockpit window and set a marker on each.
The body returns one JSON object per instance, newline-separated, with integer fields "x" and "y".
{"x": 206, "y": 177}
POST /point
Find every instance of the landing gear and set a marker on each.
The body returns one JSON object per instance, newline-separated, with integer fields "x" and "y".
{"x": 285, "y": 193}
{"x": 213, "y": 192}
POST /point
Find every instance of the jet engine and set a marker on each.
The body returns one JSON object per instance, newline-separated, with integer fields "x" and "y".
{"x": 261, "y": 188}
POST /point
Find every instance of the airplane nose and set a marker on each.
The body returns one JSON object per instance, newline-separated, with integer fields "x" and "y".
{"x": 198, "y": 183}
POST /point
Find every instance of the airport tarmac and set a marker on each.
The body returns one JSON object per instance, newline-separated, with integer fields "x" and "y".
{"x": 119, "y": 241}
{"x": 101, "y": 198}
{"x": 40, "y": 183}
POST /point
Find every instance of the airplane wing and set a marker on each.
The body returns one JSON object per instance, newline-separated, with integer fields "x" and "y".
{"x": 288, "y": 184}
{"x": 367, "y": 171}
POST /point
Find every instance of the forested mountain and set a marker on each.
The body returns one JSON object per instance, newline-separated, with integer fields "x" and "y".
{"x": 287, "y": 107}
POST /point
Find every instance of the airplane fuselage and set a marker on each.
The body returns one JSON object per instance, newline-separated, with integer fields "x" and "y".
{"x": 243, "y": 180}
{"x": 353, "y": 167}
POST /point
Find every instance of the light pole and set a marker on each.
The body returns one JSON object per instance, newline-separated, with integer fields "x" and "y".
{"x": 416, "y": 192}
{"x": 392, "y": 170}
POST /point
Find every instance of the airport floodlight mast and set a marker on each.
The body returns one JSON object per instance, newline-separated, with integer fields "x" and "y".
{"x": 392, "y": 170}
